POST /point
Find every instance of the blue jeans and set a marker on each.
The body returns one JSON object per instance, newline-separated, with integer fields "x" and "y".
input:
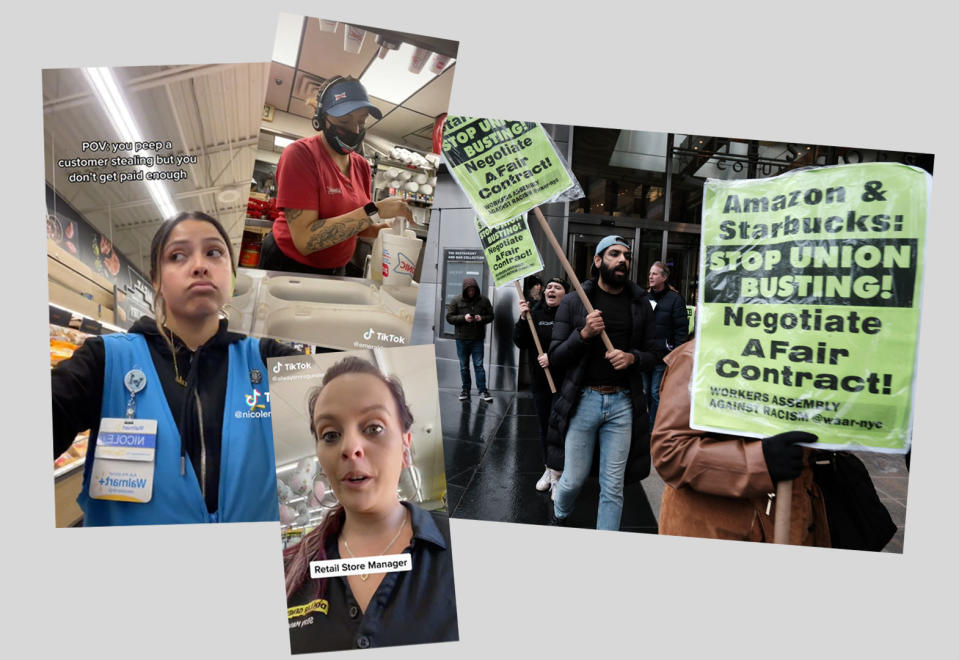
{"x": 608, "y": 417}
{"x": 464, "y": 349}
{"x": 652, "y": 380}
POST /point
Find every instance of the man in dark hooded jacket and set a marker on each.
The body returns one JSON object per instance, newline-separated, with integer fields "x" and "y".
{"x": 468, "y": 314}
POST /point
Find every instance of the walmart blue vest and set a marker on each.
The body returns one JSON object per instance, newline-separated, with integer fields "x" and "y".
{"x": 247, "y": 469}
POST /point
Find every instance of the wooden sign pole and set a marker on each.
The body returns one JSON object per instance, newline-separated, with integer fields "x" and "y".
{"x": 569, "y": 270}
{"x": 784, "y": 503}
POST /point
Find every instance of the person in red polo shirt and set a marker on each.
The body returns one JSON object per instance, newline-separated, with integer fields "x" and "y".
{"x": 323, "y": 188}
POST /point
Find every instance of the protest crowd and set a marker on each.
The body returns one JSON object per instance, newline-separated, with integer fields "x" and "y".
{"x": 751, "y": 425}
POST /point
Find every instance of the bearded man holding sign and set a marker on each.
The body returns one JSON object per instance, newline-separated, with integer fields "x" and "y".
{"x": 602, "y": 396}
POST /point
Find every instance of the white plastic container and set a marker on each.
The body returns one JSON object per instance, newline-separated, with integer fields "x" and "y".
{"x": 418, "y": 59}
{"x": 400, "y": 253}
{"x": 438, "y": 63}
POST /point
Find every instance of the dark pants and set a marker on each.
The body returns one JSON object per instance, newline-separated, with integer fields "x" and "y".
{"x": 272, "y": 258}
{"x": 543, "y": 401}
{"x": 465, "y": 349}
{"x": 651, "y": 381}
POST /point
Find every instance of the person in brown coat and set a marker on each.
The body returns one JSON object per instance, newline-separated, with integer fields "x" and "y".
{"x": 722, "y": 486}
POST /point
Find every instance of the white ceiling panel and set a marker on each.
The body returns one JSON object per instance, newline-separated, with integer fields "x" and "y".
{"x": 433, "y": 99}
{"x": 212, "y": 112}
{"x": 400, "y": 123}
{"x": 322, "y": 56}
{"x": 278, "y": 95}
{"x": 322, "y": 53}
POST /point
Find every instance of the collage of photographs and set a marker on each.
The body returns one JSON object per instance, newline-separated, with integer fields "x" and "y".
{"x": 318, "y": 295}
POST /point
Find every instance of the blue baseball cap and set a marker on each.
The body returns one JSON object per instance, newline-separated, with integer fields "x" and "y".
{"x": 610, "y": 240}
{"x": 345, "y": 96}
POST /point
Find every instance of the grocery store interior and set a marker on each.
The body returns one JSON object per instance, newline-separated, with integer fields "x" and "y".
{"x": 99, "y": 229}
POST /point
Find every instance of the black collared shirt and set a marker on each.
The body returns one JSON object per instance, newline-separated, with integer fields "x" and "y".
{"x": 409, "y": 607}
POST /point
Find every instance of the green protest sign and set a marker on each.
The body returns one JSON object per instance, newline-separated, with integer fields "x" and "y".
{"x": 505, "y": 167}
{"x": 809, "y": 304}
{"x": 509, "y": 250}
{"x": 691, "y": 317}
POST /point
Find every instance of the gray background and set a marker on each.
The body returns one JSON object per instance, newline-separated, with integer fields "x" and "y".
{"x": 825, "y": 72}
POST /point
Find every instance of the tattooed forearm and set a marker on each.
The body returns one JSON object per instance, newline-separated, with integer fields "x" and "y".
{"x": 317, "y": 225}
{"x": 328, "y": 235}
{"x": 292, "y": 214}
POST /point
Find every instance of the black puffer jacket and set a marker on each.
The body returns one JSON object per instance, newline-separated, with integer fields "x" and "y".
{"x": 569, "y": 352}
{"x": 672, "y": 324}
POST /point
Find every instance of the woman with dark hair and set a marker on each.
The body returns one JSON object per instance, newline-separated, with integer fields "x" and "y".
{"x": 178, "y": 407}
{"x": 323, "y": 188}
{"x": 543, "y": 316}
{"x": 361, "y": 424}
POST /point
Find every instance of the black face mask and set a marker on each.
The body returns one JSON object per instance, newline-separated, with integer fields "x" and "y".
{"x": 341, "y": 140}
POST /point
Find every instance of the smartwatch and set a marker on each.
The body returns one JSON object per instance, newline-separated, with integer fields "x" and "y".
{"x": 371, "y": 211}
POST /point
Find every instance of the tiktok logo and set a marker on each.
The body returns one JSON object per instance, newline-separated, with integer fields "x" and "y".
{"x": 251, "y": 400}
{"x": 368, "y": 334}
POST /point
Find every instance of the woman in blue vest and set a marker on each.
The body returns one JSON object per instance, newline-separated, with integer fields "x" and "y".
{"x": 361, "y": 424}
{"x": 178, "y": 408}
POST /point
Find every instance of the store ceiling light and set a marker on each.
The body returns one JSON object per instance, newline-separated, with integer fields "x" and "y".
{"x": 282, "y": 142}
{"x": 390, "y": 79}
{"x": 286, "y": 45}
{"x": 105, "y": 86}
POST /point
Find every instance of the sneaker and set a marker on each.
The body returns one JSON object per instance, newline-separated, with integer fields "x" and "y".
{"x": 544, "y": 482}
{"x": 464, "y": 395}
{"x": 485, "y": 396}
{"x": 554, "y": 476}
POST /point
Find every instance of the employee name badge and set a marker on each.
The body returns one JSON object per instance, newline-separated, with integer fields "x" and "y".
{"x": 125, "y": 455}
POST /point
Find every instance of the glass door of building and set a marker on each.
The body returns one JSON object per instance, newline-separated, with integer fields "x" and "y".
{"x": 682, "y": 258}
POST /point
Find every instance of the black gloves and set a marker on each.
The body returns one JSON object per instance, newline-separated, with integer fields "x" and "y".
{"x": 783, "y": 457}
